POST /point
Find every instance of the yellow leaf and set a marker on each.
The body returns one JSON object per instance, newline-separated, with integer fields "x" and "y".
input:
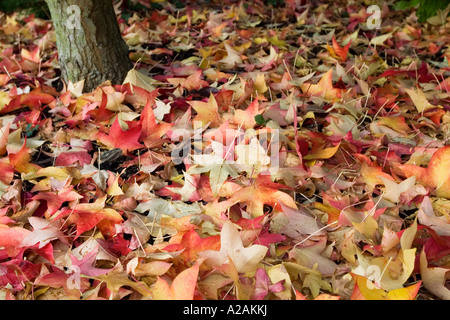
{"x": 113, "y": 186}
{"x": 325, "y": 153}
{"x": 207, "y": 112}
{"x": 115, "y": 281}
{"x": 419, "y": 99}
{"x": 230, "y": 270}
{"x": 277, "y": 42}
{"x": 259, "y": 40}
{"x": 139, "y": 79}
{"x": 408, "y": 293}
{"x": 369, "y": 291}
{"x": 378, "y": 41}
{"x": 368, "y": 227}
{"x": 60, "y": 174}
{"x": 408, "y": 236}
{"x": 260, "y": 83}
{"x": 278, "y": 273}
{"x": 392, "y": 281}
{"x": 4, "y": 99}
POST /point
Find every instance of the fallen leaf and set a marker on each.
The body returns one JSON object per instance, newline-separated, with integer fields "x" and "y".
{"x": 126, "y": 140}
{"x": 231, "y": 247}
{"x": 435, "y": 175}
{"x": 434, "y": 278}
{"x": 181, "y": 288}
{"x": 428, "y": 218}
{"x": 419, "y": 99}
{"x": 324, "y": 88}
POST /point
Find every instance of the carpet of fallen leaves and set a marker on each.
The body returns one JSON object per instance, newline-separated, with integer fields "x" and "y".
{"x": 341, "y": 191}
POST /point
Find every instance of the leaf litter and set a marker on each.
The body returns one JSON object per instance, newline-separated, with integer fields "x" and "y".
{"x": 251, "y": 153}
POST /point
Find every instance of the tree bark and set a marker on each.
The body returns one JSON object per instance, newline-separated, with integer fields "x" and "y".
{"x": 90, "y": 45}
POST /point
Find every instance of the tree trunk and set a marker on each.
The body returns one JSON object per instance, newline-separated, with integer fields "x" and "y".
{"x": 90, "y": 45}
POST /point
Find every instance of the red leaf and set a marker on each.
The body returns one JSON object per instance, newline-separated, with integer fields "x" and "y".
{"x": 193, "y": 244}
{"x": 88, "y": 215}
{"x": 341, "y": 51}
{"x": 152, "y": 132}
{"x": 70, "y": 158}
{"x": 58, "y": 279}
{"x": 263, "y": 285}
{"x": 127, "y": 140}
{"x": 55, "y": 200}
{"x": 265, "y": 238}
{"x": 16, "y": 272}
{"x": 33, "y": 100}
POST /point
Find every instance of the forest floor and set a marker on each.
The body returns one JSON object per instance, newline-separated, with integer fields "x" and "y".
{"x": 254, "y": 152}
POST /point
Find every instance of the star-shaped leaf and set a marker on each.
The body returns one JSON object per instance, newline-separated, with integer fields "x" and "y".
{"x": 244, "y": 259}
{"x": 207, "y": 112}
{"x": 181, "y": 288}
{"x": 435, "y": 176}
{"x": 126, "y": 140}
{"x": 324, "y": 88}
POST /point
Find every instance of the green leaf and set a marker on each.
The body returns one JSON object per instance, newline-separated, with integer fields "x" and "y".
{"x": 260, "y": 120}
{"x": 426, "y": 8}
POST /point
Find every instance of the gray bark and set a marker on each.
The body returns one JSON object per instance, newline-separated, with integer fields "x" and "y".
{"x": 90, "y": 45}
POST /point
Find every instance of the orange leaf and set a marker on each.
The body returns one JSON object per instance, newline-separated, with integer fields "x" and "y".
{"x": 10, "y": 239}
{"x": 247, "y": 118}
{"x": 324, "y": 88}
{"x": 435, "y": 176}
{"x": 333, "y": 213}
{"x": 338, "y": 51}
{"x": 193, "y": 82}
{"x": 21, "y": 160}
{"x": 191, "y": 244}
{"x": 263, "y": 192}
{"x": 182, "y": 287}
{"x": 370, "y": 173}
{"x": 88, "y": 215}
{"x": 194, "y": 243}
{"x": 33, "y": 100}
{"x": 7, "y": 171}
